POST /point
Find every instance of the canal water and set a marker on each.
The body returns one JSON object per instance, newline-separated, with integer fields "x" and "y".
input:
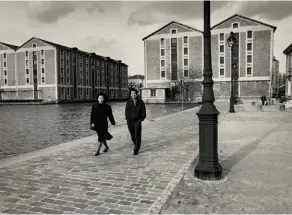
{"x": 25, "y": 128}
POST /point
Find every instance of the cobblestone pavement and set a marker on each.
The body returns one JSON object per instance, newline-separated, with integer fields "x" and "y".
{"x": 255, "y": 153}
{"x": 72, "y": 180}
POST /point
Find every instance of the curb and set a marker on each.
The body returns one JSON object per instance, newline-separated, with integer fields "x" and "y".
{"x": 63, "y": 146}
{"x": 157, "y": 206}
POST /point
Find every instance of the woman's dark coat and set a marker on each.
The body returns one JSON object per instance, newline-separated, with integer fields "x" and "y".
{"x": 99, "y": 115}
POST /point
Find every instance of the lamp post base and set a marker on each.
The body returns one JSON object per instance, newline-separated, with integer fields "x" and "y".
{"x": 208, "y": 167}
{"x": 231, "y": 108}
{"x": 214, "y": 172}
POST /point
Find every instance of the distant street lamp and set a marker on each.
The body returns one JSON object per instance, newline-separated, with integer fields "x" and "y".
{"x": 289, "y": 75}
{"x": 208, "y": 167}
{"x": 172, "y": 84}
{"x": 131, "y": 84}
{"x": 231, "y": 43}
{"x": 182, "y": 93}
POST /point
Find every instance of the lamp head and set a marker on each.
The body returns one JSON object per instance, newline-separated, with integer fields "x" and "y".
{"x": 231, "y": 40}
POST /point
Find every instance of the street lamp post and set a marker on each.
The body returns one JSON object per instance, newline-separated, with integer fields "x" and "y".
{"x": 182, "y": 94}
{"x": 208, "y": 167}
{"x": 231, "y": 42}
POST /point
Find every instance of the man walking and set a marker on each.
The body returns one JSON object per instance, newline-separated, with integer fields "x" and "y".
{"x": 135, "y": 113}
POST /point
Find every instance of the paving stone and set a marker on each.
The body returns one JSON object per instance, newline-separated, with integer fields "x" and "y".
{"x": 119, "y": 197}
{"x": 11, "y": 205}
{"x": 130, "y": 191}
{"x": 50, "y": 206}
{"x": 92, "y": 194}
{"x": 151, "y": 198}
{"x": 124, "y": 202}
{"x": 59, "y": 202}
{"x": 95, "y": 203}
{"x": 140, "y": 188}
{"x": 2, "y": 203}
{"x": 131, "y": 195}
{"x": 82, "y": 201}
{"x": 81, "y": 205}
{"x": 12, "y": 200}
{"x": 143, "y": 192}
{"x": 68, "y": 209}
{"x": 2, "y": 198}
{"x": 37, "y": 203}
{"x": 9, "y": 211}
{"x": 48, "y": 200}
{"x": 141, "y": 210}
{"x": 36, "y": 209}
{"x": 110, "y": 205}
{"x": 23, "y": 212}
{"x": 25, "y": 202}
{"x": 118, "y": 193}
{"x": 147, "y": 202}
{"x": 111, "y": 200}
{"x": 101, "y": 210}
{"x": 7, "y": 189}
{"x": 141, "y": 205}
{"x": 126, "y": 208}
{"x": 132, "y": 199}
{"x": 84, "y": 211}
{"x": 51, "y": 211}
{"x": 23, "y": 207}
{"x": 114, "y": 211}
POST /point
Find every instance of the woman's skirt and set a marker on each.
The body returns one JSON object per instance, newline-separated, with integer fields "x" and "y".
{"x": 103, "y": 134}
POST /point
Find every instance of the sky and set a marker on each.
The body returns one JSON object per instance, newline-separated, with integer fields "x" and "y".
{"x": 116, "y": 28}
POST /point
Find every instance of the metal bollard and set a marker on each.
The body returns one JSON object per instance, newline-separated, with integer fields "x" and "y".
{"x": 282, "y": 107}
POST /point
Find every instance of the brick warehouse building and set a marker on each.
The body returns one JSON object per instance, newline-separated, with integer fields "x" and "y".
{"x": 175, "y": 52}
{"x": 288, "y": 71}
{"x": 275, "y": 75}
{"x": 49, "y": 72}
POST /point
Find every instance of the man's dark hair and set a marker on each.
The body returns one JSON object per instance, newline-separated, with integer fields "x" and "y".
{"x": 133, "y": 89}
{"x": 104, "y": 96}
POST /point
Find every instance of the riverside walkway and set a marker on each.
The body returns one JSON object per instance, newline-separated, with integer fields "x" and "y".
{"x": 67, "y": 178}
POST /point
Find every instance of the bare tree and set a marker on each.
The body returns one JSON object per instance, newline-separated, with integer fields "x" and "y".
{"x": 191, "y": 79}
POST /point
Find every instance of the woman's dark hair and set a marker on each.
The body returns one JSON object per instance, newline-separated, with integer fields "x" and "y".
{"x": 103, "y": 95}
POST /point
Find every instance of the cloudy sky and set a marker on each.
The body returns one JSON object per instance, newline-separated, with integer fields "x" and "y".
{"x": 116, "y": 29}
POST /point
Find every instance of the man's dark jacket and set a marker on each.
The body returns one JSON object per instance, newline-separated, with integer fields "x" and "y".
{"x": 135, "y": 112}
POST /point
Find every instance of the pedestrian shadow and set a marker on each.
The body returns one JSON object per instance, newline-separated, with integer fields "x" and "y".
{"x": 244, "y": 151}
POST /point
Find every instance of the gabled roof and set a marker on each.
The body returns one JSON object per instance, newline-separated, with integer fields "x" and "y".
{"x": 172, "y": 22}
{"x": 288, "y": 50}
{"x": 45, "y": 41}
{"x": 59, "y": 46}
{"x": 14, "y": 47}
{"x": 244, "y": 17}
{"x": 136, "y": 77}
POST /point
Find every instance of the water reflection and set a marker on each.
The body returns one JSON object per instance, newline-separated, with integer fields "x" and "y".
{"x": 30, "y": 127}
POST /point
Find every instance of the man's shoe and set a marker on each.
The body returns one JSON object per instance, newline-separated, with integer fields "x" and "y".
{"x": 106, "y": 149}
{"x": 135, "y": 153}
{"x": 96, "y": 154}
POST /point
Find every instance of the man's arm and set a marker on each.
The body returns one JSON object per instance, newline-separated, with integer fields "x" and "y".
{"x": 143, "y": 110}
{"x": 126, "y": 109}
{"x": 111, "y": 116}
{"x": 92, "y": 116}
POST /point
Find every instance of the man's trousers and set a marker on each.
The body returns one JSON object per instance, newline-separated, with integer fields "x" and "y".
{"x": 135, "y": 129}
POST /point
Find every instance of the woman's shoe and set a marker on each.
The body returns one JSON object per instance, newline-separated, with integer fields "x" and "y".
{"x": 97, "y": 153}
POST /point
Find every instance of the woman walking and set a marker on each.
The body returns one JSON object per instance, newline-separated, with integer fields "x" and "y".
{"x": 98, "y": 121}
